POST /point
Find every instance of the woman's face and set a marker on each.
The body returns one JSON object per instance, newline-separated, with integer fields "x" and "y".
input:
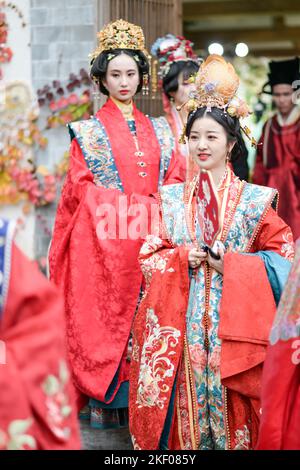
{"x": 208, "y": 144}
{"x": 122, "y": 78}
{"x": 181, "y": 96}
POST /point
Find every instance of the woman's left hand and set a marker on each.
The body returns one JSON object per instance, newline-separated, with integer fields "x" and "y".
{"x": 217, "y": 264}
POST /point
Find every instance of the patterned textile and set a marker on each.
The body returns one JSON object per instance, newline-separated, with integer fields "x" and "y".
{"x": 95, "y": 146}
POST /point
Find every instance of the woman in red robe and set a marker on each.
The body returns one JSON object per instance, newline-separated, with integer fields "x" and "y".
{"x": 201, "y": 331}
{"x": 118, "y": 159}
{"x": 37, "y": 408}
{"x": 177, "y": 63}
{"x": 280, "y": 413}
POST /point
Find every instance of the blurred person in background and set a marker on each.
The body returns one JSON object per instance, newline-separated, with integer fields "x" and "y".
{"x": 37, "y": 407}
{"x": 278, "y": 153}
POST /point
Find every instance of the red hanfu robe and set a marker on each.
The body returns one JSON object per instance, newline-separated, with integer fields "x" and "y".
{"x": 278, "y": 166}
{"x": 101, "y": 278}
{"x": 161, "y": 357}
{"x": 37, "y": 408}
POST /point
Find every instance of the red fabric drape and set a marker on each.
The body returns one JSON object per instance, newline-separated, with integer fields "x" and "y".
{"x": 33, "y": 330}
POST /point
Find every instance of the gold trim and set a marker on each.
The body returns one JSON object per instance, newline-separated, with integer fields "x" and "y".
{"x": 232, "y": 211}
{"x": 207, "y": 280}
{"x": 227, "y": 429}
{"x": 179, "y": 423}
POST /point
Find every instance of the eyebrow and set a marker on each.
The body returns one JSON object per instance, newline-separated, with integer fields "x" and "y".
{"x": 116, "y": 70}
{"x": 196, "y": 132}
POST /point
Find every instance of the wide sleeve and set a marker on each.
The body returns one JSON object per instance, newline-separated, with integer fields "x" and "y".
{"x": 158, "y": 335}
{"x": 94, "y": 260}
{"x": 275, "y": 235}
{"x": 37, "y": 398}
{"x": 79, "y": 192}
{"x": 248, "y": 306}
{"x": 249, "y": 272}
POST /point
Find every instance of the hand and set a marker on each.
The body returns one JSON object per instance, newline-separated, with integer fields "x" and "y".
{"x": 217, "y": 264}
{"x": 196, "y": 257}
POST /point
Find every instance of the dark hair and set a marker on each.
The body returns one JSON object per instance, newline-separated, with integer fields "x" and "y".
{"x": 100, "y": 64}
{"x": 229, "y": 123}
{"x": 170, "y": 81}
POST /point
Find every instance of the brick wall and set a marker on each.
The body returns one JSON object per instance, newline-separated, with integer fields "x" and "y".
{"x": 62, "y": 36}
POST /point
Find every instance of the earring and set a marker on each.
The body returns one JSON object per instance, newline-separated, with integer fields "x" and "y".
{"x": 96, "y": 95}
{"x": 145, "y": 87}
{"x": 96, "y": 87}
{"x": 227, "y": 160}
{"x": 154, "y": 78}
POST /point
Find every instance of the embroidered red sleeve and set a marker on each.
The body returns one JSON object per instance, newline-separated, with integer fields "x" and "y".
{"x": 275, "y": 235}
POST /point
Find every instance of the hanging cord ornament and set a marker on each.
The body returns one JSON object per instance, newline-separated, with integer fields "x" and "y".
{"x": 247, "y": 133}
{"x": 154, "y": 79}
{"x": 145, "y": 87}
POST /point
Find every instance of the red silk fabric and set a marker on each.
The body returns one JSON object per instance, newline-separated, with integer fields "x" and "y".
{"x": 33, "y": 330}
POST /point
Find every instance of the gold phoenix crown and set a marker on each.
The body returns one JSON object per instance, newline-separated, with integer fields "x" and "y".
{"x": 216, "y": 85}
{"x": 120, "y": 35}
{"x": 216, "y": 82}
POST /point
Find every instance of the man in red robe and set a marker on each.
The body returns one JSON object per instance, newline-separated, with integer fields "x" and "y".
{"x": 278, "y": 155}
{"x": 37, "y": 398}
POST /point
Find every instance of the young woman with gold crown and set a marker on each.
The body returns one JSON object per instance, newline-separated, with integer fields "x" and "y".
{"x": 118, "y": 158}
{"x": 201, "y": 330}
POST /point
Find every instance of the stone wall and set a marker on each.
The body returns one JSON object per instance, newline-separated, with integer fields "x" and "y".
{"x": 62, "y": 36}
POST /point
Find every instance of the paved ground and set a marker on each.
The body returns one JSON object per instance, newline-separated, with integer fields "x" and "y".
{"x": 99, "y": 439}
